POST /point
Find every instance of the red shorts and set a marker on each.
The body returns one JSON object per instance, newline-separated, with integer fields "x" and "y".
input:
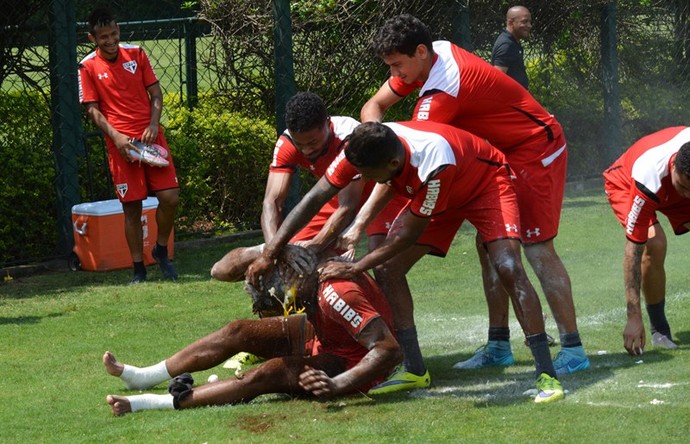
{"x": 539, "y": 184}
{"x": 619, "y": 199}
{"x": 384, "y": 220}
{"x": 316, "y": 223}
{"x": 380, "y": 225}
{"x": 137, "y": 180}
{"x": 494, "y": 214}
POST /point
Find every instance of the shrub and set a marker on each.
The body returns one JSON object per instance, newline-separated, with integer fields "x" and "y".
{"x": 27, "y": 190}
{"x": 222, "y": 160}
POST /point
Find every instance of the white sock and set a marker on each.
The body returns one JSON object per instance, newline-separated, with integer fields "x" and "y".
{"x": 150, "y": 401}
{"x": 136, "y": 378}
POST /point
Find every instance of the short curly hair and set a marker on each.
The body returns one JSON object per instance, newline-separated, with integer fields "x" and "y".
{"x": 371, "y": 145}
{"x": 683, "y": 159}
{"x": 305, "y": 111}
{"x": 402, "y": 34}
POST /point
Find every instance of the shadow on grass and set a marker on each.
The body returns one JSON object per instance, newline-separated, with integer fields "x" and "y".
{"x": 499, "y": 386}
{"x": 583, "y": 203}
{"x": 683, "y": 338}
{"x": 192, "y": 263}
{"x": 23, "y": 320}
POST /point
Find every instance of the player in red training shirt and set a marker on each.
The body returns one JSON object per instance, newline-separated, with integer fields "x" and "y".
{"x": 460, "y": 89}
{"x": 449, "y": 176}
{"x": 652, "y": 176}
{"x": 341, "y": 344}
{"x": 123, "y": 98}
{"x": 311, "y": 141}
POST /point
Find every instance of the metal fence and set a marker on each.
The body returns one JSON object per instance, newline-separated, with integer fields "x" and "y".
{"x": 610, "y": 71}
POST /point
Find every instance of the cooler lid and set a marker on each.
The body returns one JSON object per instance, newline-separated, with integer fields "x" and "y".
{"x": 108, "y": 207}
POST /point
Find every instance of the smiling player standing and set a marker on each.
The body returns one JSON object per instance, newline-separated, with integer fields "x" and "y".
{"x": 122, "y": 96}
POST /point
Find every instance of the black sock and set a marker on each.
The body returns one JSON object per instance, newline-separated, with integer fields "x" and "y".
{"x": 657, "y": 318}
{"x": 571, "y": 339}
{"x": 412, "y": 361}
{"x": 139, "y": 268}
{"x": 539, "y": 346}
{"x": 162, "y": 250}
{"x": 499, "y": 333}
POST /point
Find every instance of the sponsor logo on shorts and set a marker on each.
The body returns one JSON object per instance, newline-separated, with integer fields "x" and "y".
{"x": 637, "y": 205}
{"x": 432, "y": 191}
{"x": 130, "y": 66}
{"x": 424, "y": 108}
{"x": 121, "y": 189}
{"x": 536, "y": 232}
{"x": 340, "y": 306}
{"x": 512, "y": 228}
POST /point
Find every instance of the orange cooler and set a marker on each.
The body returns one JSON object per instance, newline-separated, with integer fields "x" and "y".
{"x": 99, "y": 234}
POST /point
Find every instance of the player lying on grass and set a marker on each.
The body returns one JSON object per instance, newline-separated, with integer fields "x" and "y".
{"x": 341, "y": 344}
{"x": 652, "y": 176}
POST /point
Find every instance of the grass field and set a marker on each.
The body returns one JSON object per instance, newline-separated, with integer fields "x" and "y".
{"x": 55, "y": 327}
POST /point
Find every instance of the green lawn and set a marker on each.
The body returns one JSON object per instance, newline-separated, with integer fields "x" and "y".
{"x": 55, "y": 327}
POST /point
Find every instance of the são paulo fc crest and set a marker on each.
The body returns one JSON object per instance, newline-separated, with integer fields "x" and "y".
{"x": 121, "y": 189}
{"x": 130, "y": 66}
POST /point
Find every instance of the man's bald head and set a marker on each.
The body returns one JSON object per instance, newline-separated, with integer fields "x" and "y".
{"x": 519, "y": 22}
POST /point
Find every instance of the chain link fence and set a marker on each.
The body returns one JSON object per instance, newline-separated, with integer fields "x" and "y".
{"x": 610, "y": 71}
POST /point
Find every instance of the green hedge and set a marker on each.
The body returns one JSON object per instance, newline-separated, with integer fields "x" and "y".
{"x": 27, "y": 191}
{"x": 222, "y": 160}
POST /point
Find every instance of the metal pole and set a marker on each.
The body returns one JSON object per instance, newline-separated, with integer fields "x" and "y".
{"x": 285, "y": 79}
{"x": 462, "y": 34}
{"x": 66, "y": 116}
{"x": 190, "y": 34}
{"x": 612, "y": 98}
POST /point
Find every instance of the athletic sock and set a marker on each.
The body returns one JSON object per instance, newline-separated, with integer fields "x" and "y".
{"x": 161, "y": 250}
{"x": 499, "y": 334}
{"x": 539, "y": 345}
{"x": 413, "y": 361}
{"x": 139, "y": 267}
{"x": 657, "y": 318}
{"x": 150, "y": 401}
{"x": 569, "y": 340}
{"x": 136, "y": 378}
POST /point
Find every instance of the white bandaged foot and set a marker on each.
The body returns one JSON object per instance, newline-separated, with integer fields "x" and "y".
{"x": 136, "y": 378}
{"x": 150, "y": 401}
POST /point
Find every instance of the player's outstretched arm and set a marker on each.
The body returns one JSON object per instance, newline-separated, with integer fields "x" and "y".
{"x": 374, "y": 109}
{"x": 405, "y": 231}
{"x": 634, "y": 332}
{"x": 307, "y": 208}
{"x": 380, "y": 196}
{"x": 277, "y": 189}
{"x": 348, "y": 204}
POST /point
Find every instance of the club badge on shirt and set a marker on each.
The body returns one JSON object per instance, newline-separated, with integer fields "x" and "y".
{"x": 130, "y": 66}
